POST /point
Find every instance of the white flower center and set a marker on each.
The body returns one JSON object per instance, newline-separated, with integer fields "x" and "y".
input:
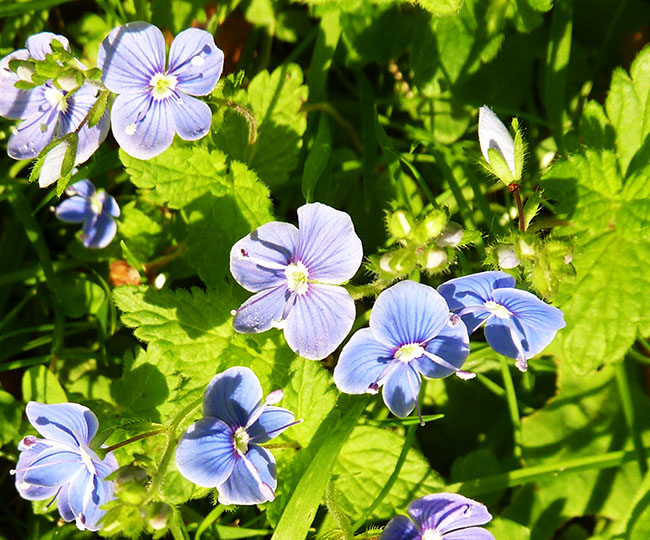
{"x": 297, "y": 276}
{"x": 56, "y": 98}
{"x": 162, "y": 86}
{"x": 241, "y": 440}
{"x": 96, "y": 202}
{"x": 430, "y": 534}
{"x": 497, "y": 309}
{"x": 406, "y": 353}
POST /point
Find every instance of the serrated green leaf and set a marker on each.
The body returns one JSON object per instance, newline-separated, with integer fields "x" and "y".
{"x": 441, "y": 8}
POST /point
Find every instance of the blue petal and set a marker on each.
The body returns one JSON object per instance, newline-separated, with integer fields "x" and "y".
{"x": 261, "y": 311}
{"x": 53, "y": 467}
{"x": 79, "y": 493}
{"x": 451, "y": 345}
{"x": 16, "y": 104}
{"x": 83, "y": 188}
{"x": 257, "y": 261}
{"x": 100, "y": 492}
{"x": 472, "y": 292}
{"x": 445, "y": 512}
{"x": 473, "y": 533}
{"x": 408, "y": 312}
{"x": 192, "y": 117}
{"x": 109, "y": 206}
{"x": 319, "y": 321}
{"x": 142, "y": 126}
{"x": 27, "y": 456}
{"x": 362, "y": 360}
{"x": 274, "y": 420}
{"x": 34, "y": 133}
{"x": 232, "y": 396}
{"x": 63, "y": 503}
{"x": 195, "y": 61}
{"x": 401, "y": 390}
{"x": 130, "y": 56}
{"x": 328, "y": 245}
{"x": 206, "y": 452}
{"x": 40, "y": 45}
{"x": 99, "y": 232}
{"x": 69, "y": 423}
{"x": 529, "y": 310}
{"x": 242, "y": 487}
{"x": 400, "y": 528}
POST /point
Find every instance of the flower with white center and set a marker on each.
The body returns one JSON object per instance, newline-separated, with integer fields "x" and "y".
{"x": 154, "y": 98}
{"x": 46, "y": 111}
{"x": 442, "y": 516}
{"x": 517, "y": 323}
{"x": 223, "y": 449}
{"x": 412, "y": 334}
{"x": 62, "y": 465}
{"x": 95, "y": 209}
{"x": 295, "y": 273}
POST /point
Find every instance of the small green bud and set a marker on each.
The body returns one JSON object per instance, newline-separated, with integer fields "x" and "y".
{"x": 433, "y": 259}
{"x": 130, "y": 474}
{"x": 159, "y": 515}
{"x": 399, "y": 224}
{"x": 507, "y": 256}
{"x": 68, "y": 81}
{"x": 398, "y": 262}
{"x": 525, "y": 249}
{"x": 432, "y": 225}
{"x": 451, "y": 235}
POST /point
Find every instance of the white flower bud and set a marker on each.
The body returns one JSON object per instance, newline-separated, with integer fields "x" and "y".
{"x": 451, "y": 235}
{"x": 52, "y": 164}
{"x": 507, "y": 257}
{"x": 493, "y": 134}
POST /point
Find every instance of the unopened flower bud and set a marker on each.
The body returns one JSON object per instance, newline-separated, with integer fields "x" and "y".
{"x": 434, "y": 259}
{"x": 159, "y": 515}
{"x": 68, "y": 82}
{"x": 433, "y": 224}
{"x": 130, "y": 474}
{"x": 507, "y": 257}
{"x": 451, "y": 235}
{"x": 399, "y": 225}
{"x": 525, "y": 248}
{"x": 403, "y": 261}
{"x": 25, "y": 72}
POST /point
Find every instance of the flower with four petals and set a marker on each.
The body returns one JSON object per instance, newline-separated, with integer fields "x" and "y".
{"x": 223, "y": 449}
{"x": 46, "y": 111}
{"x": 153, "y": 101}
{"x": 411, "y": 334}
{"x": 296, "y": 273}
{"x": 442, "y": 516}
{"x": 62, "y": 465}
{"x": 95, "y": 209}
{"x": 517, "y": 323}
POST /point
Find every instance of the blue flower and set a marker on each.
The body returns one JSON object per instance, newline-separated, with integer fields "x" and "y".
{"x": 96, "y": 209}
{"x": 153, "y": 101}
{"x": 222, "y": 449}
{"x": 411, "y": 334}
{"x": 46, "y": 112}
{"x": 517, "y": 323}
{"x": 295, "y": 273}
{"x": 62, "y": 465}
{"x": 443, "y": 516}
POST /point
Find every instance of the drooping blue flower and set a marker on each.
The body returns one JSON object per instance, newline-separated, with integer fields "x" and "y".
{"x": 411, "y": 334}
{"x": 95, "y": 209}
{"x": 155, "y": 101}
{"x": 295, "y": 274}
{"x": 442, "y": 516}
{"x": 223, "y": 449}
{"x": 62, "y": 465}
{"x": 517, "y": 323}
{"x": 46, "y": 111}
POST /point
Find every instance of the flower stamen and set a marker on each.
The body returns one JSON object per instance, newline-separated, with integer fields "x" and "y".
{"x": 162, "y": 86}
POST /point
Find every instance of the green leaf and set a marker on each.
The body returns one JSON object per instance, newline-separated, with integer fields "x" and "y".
{"x": 40, "y": 384}
{"x": 317, "y": 158}
{"x": 367, "y": 459}
{"x": 10, "y": 416}
{"x": 176, "y": 15}
{"x": 441, "y": 8}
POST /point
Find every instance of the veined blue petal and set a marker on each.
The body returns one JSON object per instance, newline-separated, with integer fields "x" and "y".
{"x": 257, "y": 261}
{"x": 328, "y": 245}
{"x": 319, "y": 321}
{"x": 40, "y": 45}
{"x": 83, "y": 188}
{"x": 16, "y": 104}
{"x": 74, "y": 210}
{"x": 529, "y": 310}
{"x": 467, "y": 292}
{"x": 63, "y": 503}
{"x": 272, "y": 422}
{"x": 142, "y": 126}
{"x": 130, "y": 56}
{"x": 445, "y": 512}
{"x": 192, "y": 117}
{"x": 27, "y": 456}
{"x": 196, "y": 61}
{"x": 79, "y": 493}
{"x": 473, "y": 533}
{"x": 206, "y": 453}
{"x": 69, "y": 423}
{"x": 99, "y": 232}
{"x": 33, "y": 134}
{"x": 53, "y": 467}
{"x": 261, "y": 311}
{"x": 361, "y": 361}
{"x": 232, "y": 396}
{"x": 408, "y": 312}
{"x": 245, "y": 486}
{"x": 400, "y": 528}
{"x": 450, "y": 346}
{"x": 401, "y": 389}
{"x": 98, "y": 493}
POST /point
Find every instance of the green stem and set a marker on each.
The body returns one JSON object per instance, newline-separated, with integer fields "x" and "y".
{"x": 209, "y": 520}
{"x": 527, "y": 475}
{"x": 134, "y": 439}
{"x": 513, "y": 409}
{"x": 623, "y": 384}
{"x": 500, "y": 392}
{"x": 408, "y": 442}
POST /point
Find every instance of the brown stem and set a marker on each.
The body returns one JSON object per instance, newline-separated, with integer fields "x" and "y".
{"x": 134, "y": 439}
{"x": 514, "y": 190}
